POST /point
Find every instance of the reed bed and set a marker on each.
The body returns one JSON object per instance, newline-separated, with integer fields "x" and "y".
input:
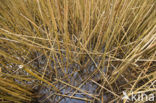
{"x": 76, "y": 51}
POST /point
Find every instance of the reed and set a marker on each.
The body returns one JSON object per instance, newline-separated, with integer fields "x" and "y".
{"x": 83, "y": 51}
